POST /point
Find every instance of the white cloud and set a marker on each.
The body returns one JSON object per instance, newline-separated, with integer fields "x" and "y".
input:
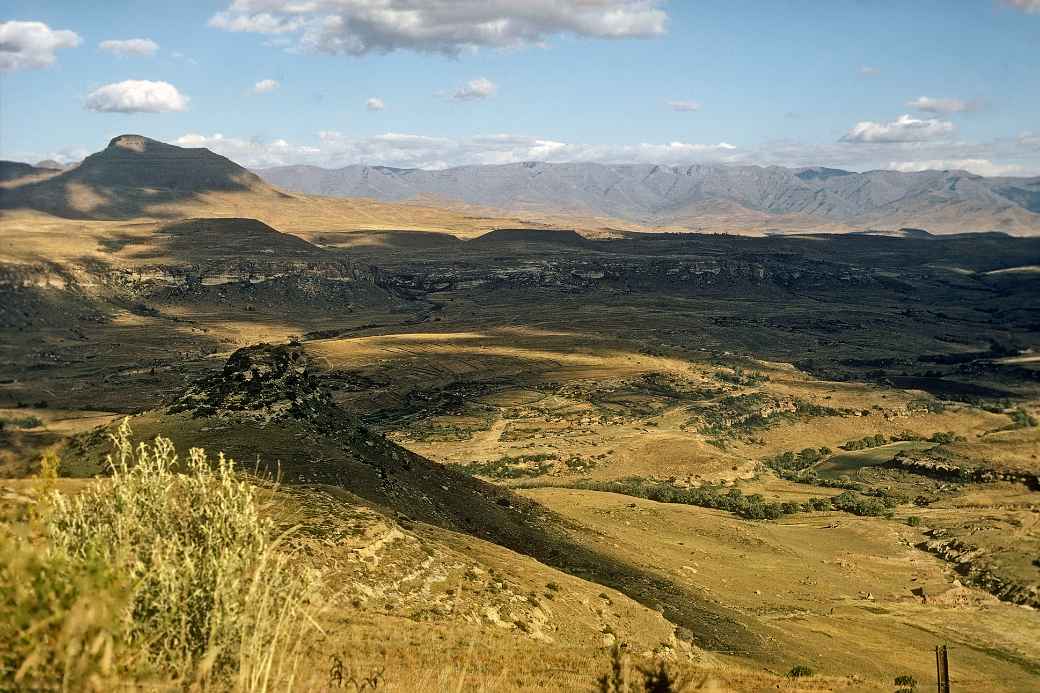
{"x": 334, "y": 149}
{"x": 906, "y": 128}
{"x": 1018, "y": 155}
{"x": 375, "y": 104}
{"x": 259, "y": 23}
{"x": 31, "y": 45}
{"x": 474, "y": 89}
{"x": 255, "y": 152}
{"x": 265, "y": 85}
{"x": 869, "y": 71}
{"x": 357, "y": 27}
{"x": 684, "y": 106}
{"x": 136, "y": 96}
{"x": 1028, "y": 6}
{"x": 981, "y": 167}
{"x": 128, "y": 47}
{"x": 931, "y": 105}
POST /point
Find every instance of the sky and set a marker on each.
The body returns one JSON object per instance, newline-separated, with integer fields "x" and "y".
{"x": 855, "y": 84}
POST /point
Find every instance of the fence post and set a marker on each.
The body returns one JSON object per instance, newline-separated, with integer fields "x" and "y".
{"x": 942, "y": 669}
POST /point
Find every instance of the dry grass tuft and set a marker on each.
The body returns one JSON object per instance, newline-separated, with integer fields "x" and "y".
{"x": 167, "y": 575}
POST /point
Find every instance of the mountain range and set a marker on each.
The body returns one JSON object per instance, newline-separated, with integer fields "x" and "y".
{"x": 697, "y": 196}
{"x": 135, "y": 176}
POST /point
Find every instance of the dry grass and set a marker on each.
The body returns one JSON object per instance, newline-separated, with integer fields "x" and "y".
{"x": 166, "y": 576}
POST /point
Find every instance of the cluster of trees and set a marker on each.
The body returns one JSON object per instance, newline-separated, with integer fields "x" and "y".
{"x": 864, "y": 443}
{"x": 796, "y": 461}
{"x": 859, "y": 504}
{"x": 752, "y": 506}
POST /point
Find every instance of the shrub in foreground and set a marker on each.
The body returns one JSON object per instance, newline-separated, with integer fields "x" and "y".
{"x": 186, "y": 578}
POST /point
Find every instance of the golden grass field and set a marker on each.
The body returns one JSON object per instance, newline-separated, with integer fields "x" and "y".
{"x": 592, "y": 386}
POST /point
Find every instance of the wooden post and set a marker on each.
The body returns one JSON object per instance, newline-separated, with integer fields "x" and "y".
{"x": 938, "y": 672}
{"x": 942, "y": 669}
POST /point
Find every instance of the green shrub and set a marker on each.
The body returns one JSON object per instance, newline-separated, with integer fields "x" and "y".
{"x": 799, "y": 671}
{"x": 1022, "y": 419}
{"x": 913, "y": 521}
{"x": 21, "y": 422}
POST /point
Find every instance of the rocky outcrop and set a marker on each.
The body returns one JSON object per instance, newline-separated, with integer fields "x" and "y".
{"x": 946, "y": 471}
{"x": 971, "y": 562}
{"x": 263, "y": 383}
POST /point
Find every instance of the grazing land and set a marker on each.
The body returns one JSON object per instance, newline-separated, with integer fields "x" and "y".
{"x": 507, "y": 447}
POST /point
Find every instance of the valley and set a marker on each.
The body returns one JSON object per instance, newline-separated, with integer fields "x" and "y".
{"x": 511, "y": 446}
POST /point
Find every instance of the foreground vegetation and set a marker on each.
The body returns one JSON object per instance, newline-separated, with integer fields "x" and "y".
{"x": 164, "y": 576}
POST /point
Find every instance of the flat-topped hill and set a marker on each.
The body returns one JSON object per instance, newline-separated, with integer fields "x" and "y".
{"x": 134, "y": 176}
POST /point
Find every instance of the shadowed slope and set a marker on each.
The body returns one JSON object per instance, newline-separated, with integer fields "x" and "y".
{"x": 265, "y": 404}
{"x": 131, "y": 177}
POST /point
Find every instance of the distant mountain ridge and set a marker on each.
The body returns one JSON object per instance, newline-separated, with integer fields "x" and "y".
{"x": 943, "y": 201}
{"x": 135, "y": 176}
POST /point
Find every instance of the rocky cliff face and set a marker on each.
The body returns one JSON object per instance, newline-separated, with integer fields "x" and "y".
{"x": 974, "y": 564}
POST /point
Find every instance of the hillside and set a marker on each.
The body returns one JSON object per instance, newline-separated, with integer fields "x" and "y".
{"x": 137, "y": 178}
{"x": 131, "y": 177}
{"x": 17, "y": 173}
{"x": 943, "y": 201}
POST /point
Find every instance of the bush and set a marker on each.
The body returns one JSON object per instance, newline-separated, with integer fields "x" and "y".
{"x": 852, "y": 502}
{"x": 799, "y": 671}
{"x": 21, "y": 422}
{"x": 913, "y": 521}
{"x": 163, "y": 575}
{"x": 656, "y": 679}
{"x": 60, "y": 624}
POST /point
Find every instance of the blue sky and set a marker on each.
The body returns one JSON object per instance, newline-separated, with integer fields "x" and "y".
{"x": 853, "y": 84}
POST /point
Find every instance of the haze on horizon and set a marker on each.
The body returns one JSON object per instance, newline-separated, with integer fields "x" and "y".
{"x": 858, "y": 86}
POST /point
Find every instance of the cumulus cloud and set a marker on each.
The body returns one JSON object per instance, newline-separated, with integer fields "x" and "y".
{"x": 474, "y": 89}
{"x": 255, "y": 152}
{"x": 931, "y": 105}
{"x": 1027, "y": 6}
{"x": 31, "y": 45}
{"x": 265, "y": 85}
{"x": 375, "y": 104}
{"x": 130, "y": 47}
{"x": 136, "y": 96}
{"x": 358, "y": 27}
{"x": 686, "y": 106}
{"x": 906, "y": 128}
{"x": 869, "y": 71}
